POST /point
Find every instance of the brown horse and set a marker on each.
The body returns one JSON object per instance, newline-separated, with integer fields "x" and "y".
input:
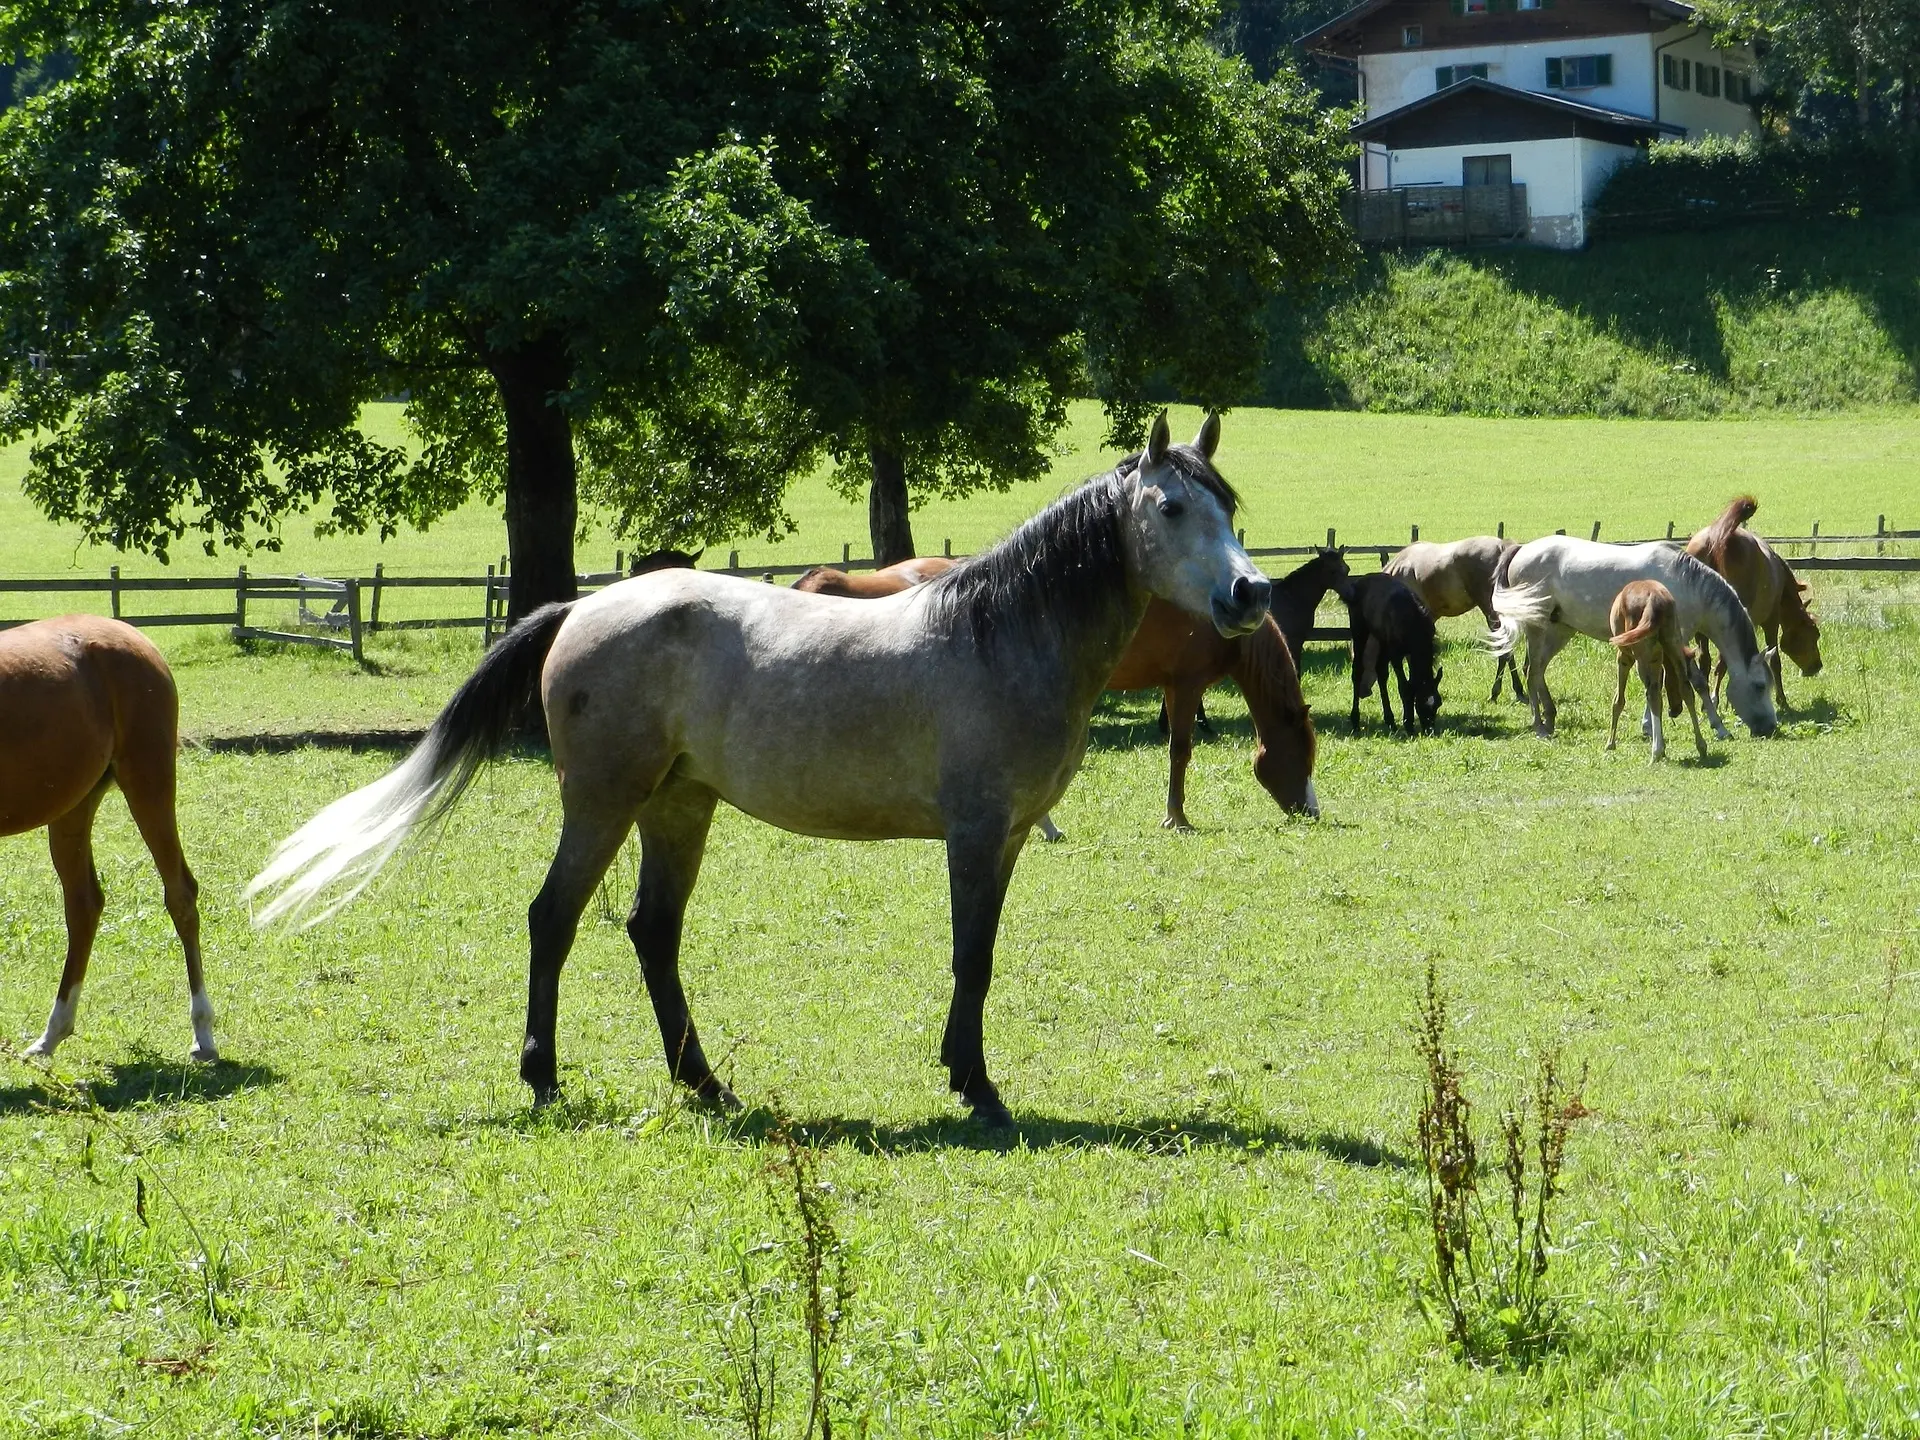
{"x": 1646, "y": 631}
{"x": 1179, "y": 656}
{"x": 1455, "y": 578}
{"x": 89, "y": 703}
{"x": 1765, "y": 586}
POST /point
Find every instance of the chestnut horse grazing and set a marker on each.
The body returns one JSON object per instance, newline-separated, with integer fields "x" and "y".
{"x": 1646, "y": 631}
{"x": 957, "y": 710}
{"x": 89, "y": 703}
{"x": 1455, "y": 578}
{"x": 1766, "y": 587}
{"x": 1180, "y": 656}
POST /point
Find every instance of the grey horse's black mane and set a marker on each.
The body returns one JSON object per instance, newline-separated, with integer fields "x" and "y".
{"x": 1066, "y": 567}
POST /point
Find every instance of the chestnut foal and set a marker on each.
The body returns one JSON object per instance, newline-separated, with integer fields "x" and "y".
{"x": 1646, "y": 631}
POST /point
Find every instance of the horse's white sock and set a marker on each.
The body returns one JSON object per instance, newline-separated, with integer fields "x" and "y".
{"x": 202, "y": 1013}
{"x": 59, "y": 1023}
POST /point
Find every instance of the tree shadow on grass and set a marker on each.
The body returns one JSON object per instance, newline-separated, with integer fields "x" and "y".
{"x": 1156, "y": 1136}
{"x": 149, "y": 1079}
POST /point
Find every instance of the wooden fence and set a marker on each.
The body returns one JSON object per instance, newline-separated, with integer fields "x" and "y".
{"x": 353, "y": 604}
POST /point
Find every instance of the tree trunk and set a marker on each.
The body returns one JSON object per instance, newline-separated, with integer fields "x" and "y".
{"x": 887, "y": 517}
{"x": 542, "y": 504}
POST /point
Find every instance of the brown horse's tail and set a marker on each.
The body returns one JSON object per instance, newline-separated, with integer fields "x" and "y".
{"x": 1720, "y": 534}
{"x": 1639, "y": 632}
{"x": 1264, "y": 670}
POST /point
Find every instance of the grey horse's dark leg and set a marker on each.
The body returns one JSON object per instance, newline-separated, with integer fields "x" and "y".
{"x": 673, "y": 839}
{"x": 980, "y": 862}
{"x": 588, "y": 843}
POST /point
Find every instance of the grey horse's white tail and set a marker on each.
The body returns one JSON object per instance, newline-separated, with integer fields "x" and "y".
{"x": 331, "y": 859}
{"x": 1518, "y": 607}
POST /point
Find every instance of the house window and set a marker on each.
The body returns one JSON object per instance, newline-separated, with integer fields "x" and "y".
{"x": 1413, "y": 37}
{"x": 1579, "y": 72}
{"x": 1487, "y": 170}
{"x": 1469, "y": 7}
{"x": 1446, "y": 75}
{"x": 1673, "y": 73}
{"x": 1706, "y": 79}
{"x": 1739, "y": 88}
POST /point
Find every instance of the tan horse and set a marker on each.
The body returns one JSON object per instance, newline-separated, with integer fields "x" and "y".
{"x": 1646, "y": 631}
{"x": 1181, "y": 656}
{"x": 89, "y": 703}
{"x": 1455, "y": 578}
{"x": 1766, "y": 587}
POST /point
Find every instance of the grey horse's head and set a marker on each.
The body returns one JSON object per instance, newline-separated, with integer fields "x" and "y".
{"x": 1179, "y": 532}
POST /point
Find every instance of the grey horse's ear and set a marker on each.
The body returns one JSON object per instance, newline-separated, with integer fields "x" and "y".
{"x": 1208, "y": 440}
{"x": 1157, "y": 441}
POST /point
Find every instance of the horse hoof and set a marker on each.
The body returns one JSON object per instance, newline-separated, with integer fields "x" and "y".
{"x": 39, "y": 1050}
{"x": 717, "y": 1097}
{"x": 1178, "y": 824}
{"x": 203, "y": 1054}
{"x": 992, "y": 1114}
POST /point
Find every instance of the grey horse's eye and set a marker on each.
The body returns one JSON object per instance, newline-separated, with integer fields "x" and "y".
{"x": 1172, "y": 509}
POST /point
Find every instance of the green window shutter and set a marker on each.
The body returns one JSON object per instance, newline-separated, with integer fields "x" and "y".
{"x": 1603, "y": 69}
{"x": 1553, "y": 73}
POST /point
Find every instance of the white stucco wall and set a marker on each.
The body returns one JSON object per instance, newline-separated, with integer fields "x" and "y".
{"x": 1561, "y": 176}
{"x": 1397, "y": 78}
{"x": 1401, "y": 77}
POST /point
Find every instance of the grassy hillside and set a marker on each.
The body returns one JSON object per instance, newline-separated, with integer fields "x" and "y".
{"x": 1802, "y": 316}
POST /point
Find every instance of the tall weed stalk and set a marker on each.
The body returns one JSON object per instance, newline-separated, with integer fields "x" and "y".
{"x": 1491, "y": 1262}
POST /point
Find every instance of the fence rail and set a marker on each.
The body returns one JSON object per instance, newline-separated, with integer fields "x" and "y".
{"x": 354, "y": 602}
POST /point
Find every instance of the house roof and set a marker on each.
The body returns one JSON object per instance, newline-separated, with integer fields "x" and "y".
{"x": 1490, "y": 99}
{"x": 1314, "y": 39}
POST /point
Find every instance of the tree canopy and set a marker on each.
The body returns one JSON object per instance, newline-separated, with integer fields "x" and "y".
{"x": 1864, "y": 51}
{"x": 667, "y": 254}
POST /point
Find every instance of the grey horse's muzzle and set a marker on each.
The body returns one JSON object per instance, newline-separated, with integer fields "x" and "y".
{"x": 1245, "y": 605}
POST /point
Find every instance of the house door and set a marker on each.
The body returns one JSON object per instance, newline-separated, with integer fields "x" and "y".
{"x": 1488, "y": 169}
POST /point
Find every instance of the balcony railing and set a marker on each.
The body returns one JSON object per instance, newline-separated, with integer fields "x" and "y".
{"x": 1437, "y": 214}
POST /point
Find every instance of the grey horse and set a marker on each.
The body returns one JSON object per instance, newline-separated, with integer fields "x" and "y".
{"x": 956, "y": 710}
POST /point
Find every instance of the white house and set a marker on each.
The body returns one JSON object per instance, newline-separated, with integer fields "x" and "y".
{"x": 1552, "y": 95}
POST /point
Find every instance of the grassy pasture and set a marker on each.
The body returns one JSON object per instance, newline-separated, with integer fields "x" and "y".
{"x": 1210, "y": 1220}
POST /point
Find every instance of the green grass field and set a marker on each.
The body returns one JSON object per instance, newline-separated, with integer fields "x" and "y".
{"x": 1209, "y": 1222}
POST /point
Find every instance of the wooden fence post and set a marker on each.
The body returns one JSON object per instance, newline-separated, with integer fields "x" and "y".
{"x": 1880, "y": 531}
{"x": 486, "y": 625}
{"x": 1416, "y": 536}
{"x": 1330, "y": 544}
{"x": 1669, "y": 529}
{"x": 619, "y": 562}
{"x": 379, "y": 574}
{"x": 846, "y": 552}
{"x": 946, "y": 546}
{"x": 353, "y": 620}
{"x": 240, "y": 603}
{"x": 113, "y": 588}
{"x": 1500, "y": 531}
{"x": 1596, "y": 531}
{"x": 1814, "y": 547}
{"x": 733, "y": 559}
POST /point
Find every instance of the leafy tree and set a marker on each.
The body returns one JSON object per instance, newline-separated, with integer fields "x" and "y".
{"x": 662, "y": 254}
{"x": 1854, "y": 48}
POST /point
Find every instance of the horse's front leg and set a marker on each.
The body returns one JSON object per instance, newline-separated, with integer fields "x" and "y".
{"x": 1182, "y": 701}
{"x": 980, "y": 860}
{"x": 1775, "y": 664}
{"x": 590, "y": 837}
{"x": 1697, "y": 678}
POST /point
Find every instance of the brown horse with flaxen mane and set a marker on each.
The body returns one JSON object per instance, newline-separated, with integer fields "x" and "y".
{"x": 89, "y": 704}
{"x": 1172, "y": 653}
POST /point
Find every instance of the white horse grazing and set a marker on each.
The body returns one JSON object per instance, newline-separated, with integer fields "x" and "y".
{"x": 955, "y": 710}
{"x": 1559, "y": 586}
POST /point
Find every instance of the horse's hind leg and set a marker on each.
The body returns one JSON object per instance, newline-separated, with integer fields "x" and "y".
{"x": 980, "y": 860}
{"x": 673, "y": 839}
{"x": 70, "y": 839}
{"x": 145, "y": 770}
{"x": 1619, "y": 700}
{"x": 1651, "y": 679}
{"x": 590, "y": 837}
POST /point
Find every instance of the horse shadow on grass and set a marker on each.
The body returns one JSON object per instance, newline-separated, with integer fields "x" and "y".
{"x": 148, "y": 1079}
{"x": 1157, "y": 1136}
